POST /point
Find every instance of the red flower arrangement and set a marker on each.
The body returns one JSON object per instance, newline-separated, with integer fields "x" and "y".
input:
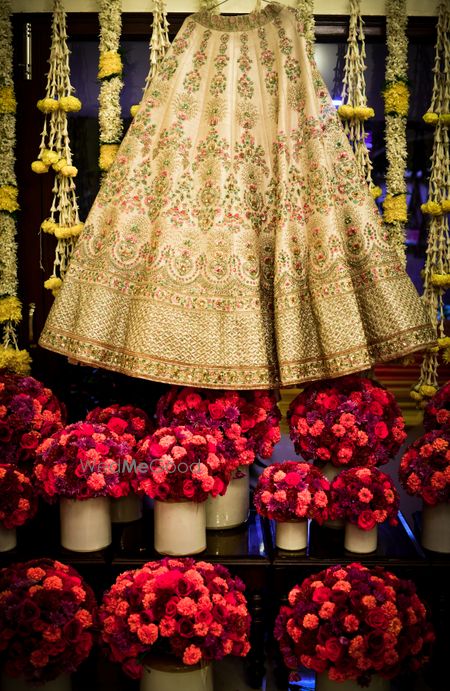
{"x": 47, "y": 618}
{"x": 437, "y": 412}
{"x": 353, "y": 622}
{"x": 248, "y": 420}
{"x": 181, "y": 465}
{"x": 192, "y": 610}
{"x": 128, "y": 422}
{"x": 82, "y": 461}
{"x": 364, "y": 497}
{"x": 347, "y": 422}
{"x": 292, "y": 491}
{"x": 18, "y": 501}
{"x": 29, "y": 412}
{"x": 425, "y": 468}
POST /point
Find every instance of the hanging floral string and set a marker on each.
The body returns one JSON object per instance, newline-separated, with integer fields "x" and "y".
{"x": 54, "y": 150}
{"x": 110, "y": 74}
{"x": 437, "y": 263}
{"x": 306, "y": 9}
{"x": 11, "y": 356}
{"x": 159, "y": 43}
{"x": 396, "y": 103}
{"x": 354, "y": 110}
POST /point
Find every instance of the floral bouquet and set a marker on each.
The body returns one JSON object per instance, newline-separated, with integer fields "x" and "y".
{"x": 425, "y": 468}
{"x": 181, "y": 465}
{"x": 82, "y": 461}
{"x": 364, "y": 497}
{"x": 47, "y": 619}
{"x": 353, "y": 622}
{"x": 437, "y": 412}
{"x": 128, "y": 422}
{"x": 29, "y": 413}
{"x": 347, "y": 422}
{"x": 292, "y": 491}
{"x": 18, "y": 501}
{"x": 194, "y": 611}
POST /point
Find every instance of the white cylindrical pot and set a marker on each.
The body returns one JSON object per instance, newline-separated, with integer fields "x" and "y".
{"x": 232, "y": 508}
{"x": 377, "y": 683}
{"x": 436, "y": 528}
{"x": 126, "y": 509}
{"x": 176, "y": 677}
{"x": 8, "y": 538}
{"x": 291, "y": 535}
{"x": 180, "y": 527}
{"x": 360, "y": 541}
{"x": 85, "y": 525}
{"x": 330, "y": 471}
{"x": 61, "y": 683}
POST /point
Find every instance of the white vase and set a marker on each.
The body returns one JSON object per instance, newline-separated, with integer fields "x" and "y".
{"x": 176, "y": 677}
{"x": 86, "y": 524}
{"x": 180, "y": 527}
{"x": 8, "y": 538}
{"x": 126, "y": 509}
{"x": 291, "y": 535}
{"x": 360, "y": 541}
{"x": 377, "y": 683}
{"x": 61, "y": 683}
{"x": 232, "y": 508}
{"x": 330, "y": 471}
{"x": 436, "y": 528}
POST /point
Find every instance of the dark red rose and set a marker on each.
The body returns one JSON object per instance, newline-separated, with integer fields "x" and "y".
{"x": 333, "y": 649}
{"x": 377, "y": 618}
{"x": 321, "y": 594}
{"x": 185, "y": 628}
{"x": 117, "y": 425}
{"x": 366, "y": 521}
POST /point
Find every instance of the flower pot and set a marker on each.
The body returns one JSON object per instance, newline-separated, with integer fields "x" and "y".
{"x": 61, "y": 683}
{"x": 330, "y": 471}
{"x": 360, "y": 541}
{"x": 436, "y": 528}
{"x": 377, "y": 683}
{"x": 85, "y": 525}
{"x": 232, "y": 509}
{"x": 8, "y": 538}
{"x": 174, "y": 676}
{"x": 180, "y": 527}
{"x": 292, "y": 535}
{"x": 126, "y": 509}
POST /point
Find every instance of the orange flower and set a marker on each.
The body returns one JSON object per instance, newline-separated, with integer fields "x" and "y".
{"x": 310, "y": 621}
{"x": 369, "y": 601}
{"x": 327, "y": 610}
{"x": 395, "y": 626}
{"x": 53, "y": 583}
{"x": 342, "y": 585}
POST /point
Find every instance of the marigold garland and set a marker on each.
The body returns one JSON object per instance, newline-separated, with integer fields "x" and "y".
{"x": 110, "y": 75}
{"x": 437, "y": 264}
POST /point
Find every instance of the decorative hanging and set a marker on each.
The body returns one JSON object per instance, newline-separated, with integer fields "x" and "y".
{"x": 306, "y": 9}
{"x": 437, "y": 263}
{"x": 354, "y": 110}
{"x": 396, "y": 103}
{"x": 10, "y": 307}
{"x": 54, "y": 150}
{"x": 110, "y": 75}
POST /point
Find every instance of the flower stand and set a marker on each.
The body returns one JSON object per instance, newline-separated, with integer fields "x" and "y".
{"x": 232, "y": 508}
{"x": 86, "y": 524}
{"x": 292, "y": 535}
{"x": 180, "y": 527}
{"x": 377, "y": 683}
{"x": 175, "y": 676}
{"x": 436, "y": 528}
{"x": 360, "y": 541}
{"x": 8, "y": 538}
{"x": 61, "y": 683}
{"x": 126, "y": 509}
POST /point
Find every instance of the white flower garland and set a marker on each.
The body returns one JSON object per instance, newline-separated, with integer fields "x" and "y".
{"x": 110, "y": 75}
{"x": 437, "y": 264}
{"x": 10, "y": 307}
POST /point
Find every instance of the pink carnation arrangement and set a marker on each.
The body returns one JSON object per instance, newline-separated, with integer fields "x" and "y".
{"x": 349, "y": 421}
{"x": 18, "y": 501}
{"x": 127, "y": 421}
{"x": 82, "y": 461}
{"x": 29, "y": 412}
{"x": 248, "y": 420}
{"x": 292, "y": 491}
{"x": 364, "y": 497}
{"x": 181, "y": 464}
{"x": 47, "y": 619}
{"x": 437, "y": 412}
{"x": 425, "y": 468}
{"x": 194, "y": 611}
{"x": 353, "y": 622}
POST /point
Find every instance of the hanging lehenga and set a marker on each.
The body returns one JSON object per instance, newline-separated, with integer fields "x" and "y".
{"x": 232, "y": 244}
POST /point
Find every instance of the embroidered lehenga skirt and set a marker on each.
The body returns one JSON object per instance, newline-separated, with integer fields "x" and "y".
{"x": 232, "y": 244}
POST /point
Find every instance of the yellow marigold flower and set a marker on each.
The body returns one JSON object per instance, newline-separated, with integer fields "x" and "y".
{"x": 39, "y": 167}
{"x": 446, "y": 356}
{"x": 445, "y": 205}
{"x": 64, "y": 232}
{"x": 376, "y": 191}
{"x": 395, "y": 208}
{"x": 346, "y": 111}
{"x": 10, "y": 309}
{"x": 108, "y": 153}
{"x": 396, "y": 99}
{"x": 134, "y": 110}
{"x": 49, "y": 157}
{"x": 109, "y": 63}
{"x": 48, "y": 105}
{"x": 444, "y": 342}
{"x": 432, "y": 208}
{"x": 59, "y": 165}
{"x": 430, "y": 118}
{"x": 427, "y": 390}
{"x": 8, "y": 102}
{"x": 415, "y": 395}
{"x": 49, "y": 226}
{"x": 70, "y": 104}
{"x": 53, "y": 283}
{"x": 8, "y": 198}
{"x": 17, "y": 361}
{"x": 69, "y": 171}
{"x": 440, "y": 280}
{"x": 434, "y": 350}
{"x": 363, "y": 112}
{"x": 445, "y": 119}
